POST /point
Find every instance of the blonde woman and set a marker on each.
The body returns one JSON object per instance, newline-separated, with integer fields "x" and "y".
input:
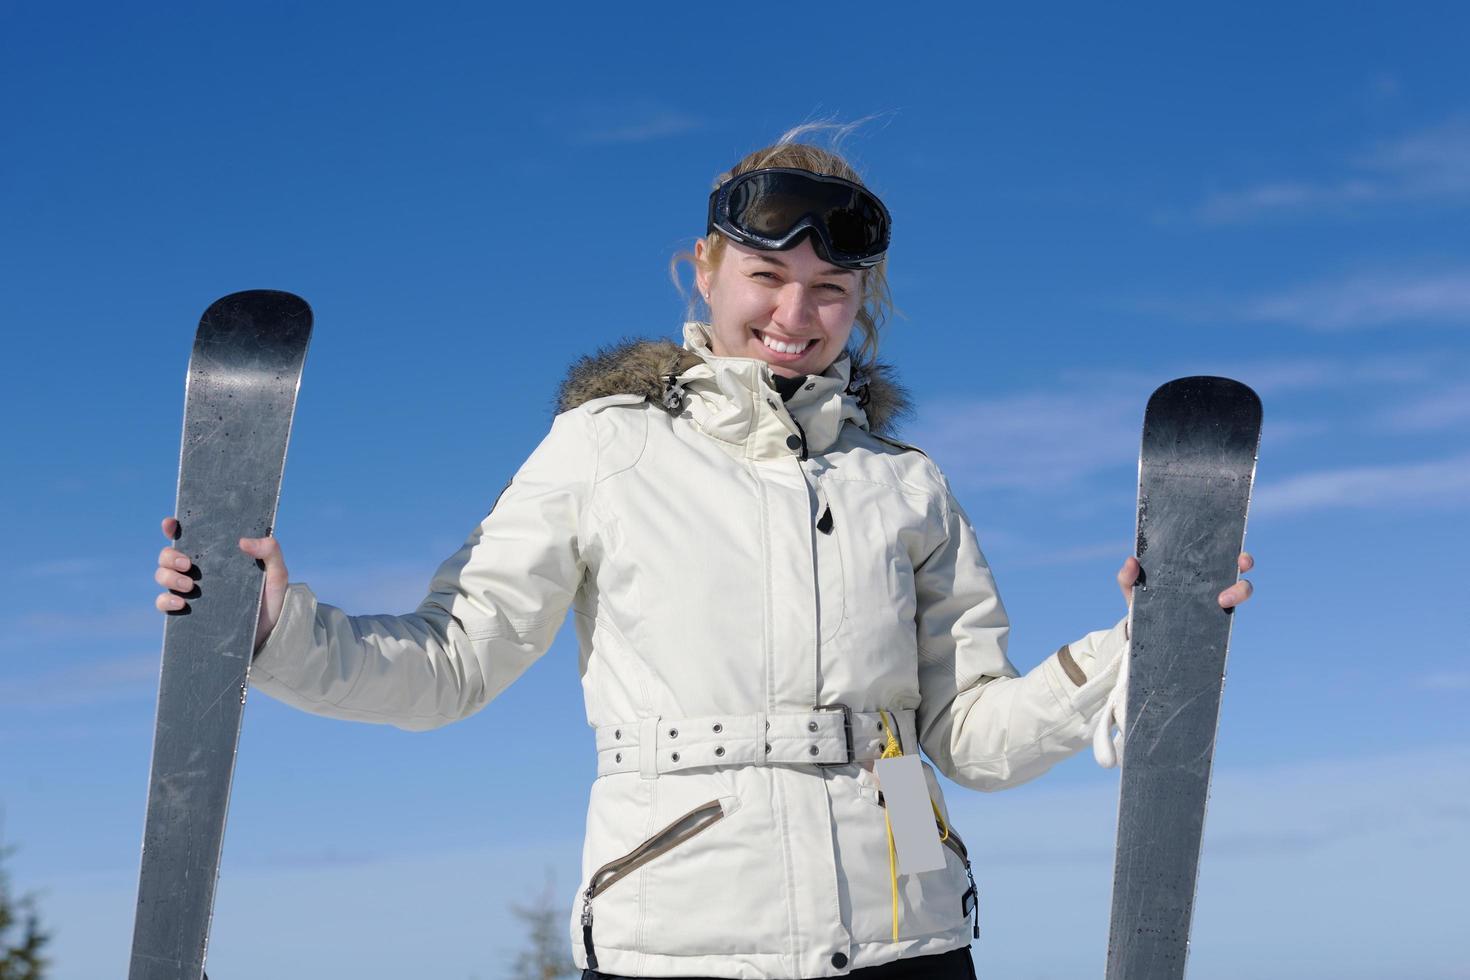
{"x": 771, "y": 596}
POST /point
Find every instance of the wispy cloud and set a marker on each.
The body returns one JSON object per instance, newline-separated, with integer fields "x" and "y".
{"x": 1031, "y": 440}
{"x": 1353, "y": 300}
{"x": 1084, "y": 554}
{"x": 68, "y": 566}
{"x": 1445, "y": 681}
{"x": 1432, "y": 164}
{"x": 385, "y": 588}
{"x": 84, "y": 684}
{"x": 1369, "y": 300}
{"x": 63, "y": 626}
{"x": 1278, "y": 374}
{"x": 622, "y": 121}
{"x": 1039, "y": 440}
{"x": 1444, "y": 482}
{"x": 1444, "y": 409}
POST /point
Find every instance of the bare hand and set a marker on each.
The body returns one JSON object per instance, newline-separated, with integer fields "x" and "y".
{"x": 178, "y": 574}
{"x": 1230, "y": 598}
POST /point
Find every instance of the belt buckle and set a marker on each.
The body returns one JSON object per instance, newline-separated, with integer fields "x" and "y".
{"x": 846, "y": 732}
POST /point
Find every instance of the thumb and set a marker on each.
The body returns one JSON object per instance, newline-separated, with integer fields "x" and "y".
{"x": 265, "y": 549}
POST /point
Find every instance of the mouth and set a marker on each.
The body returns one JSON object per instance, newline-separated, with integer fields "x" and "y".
{"x": 786, "y": 350}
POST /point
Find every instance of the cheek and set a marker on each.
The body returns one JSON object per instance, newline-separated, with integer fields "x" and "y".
{"x": 738, "y": 304}
{"x": 840, "y": 319}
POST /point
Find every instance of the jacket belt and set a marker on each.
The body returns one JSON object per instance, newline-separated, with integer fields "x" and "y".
{"x": 828, "y": 736}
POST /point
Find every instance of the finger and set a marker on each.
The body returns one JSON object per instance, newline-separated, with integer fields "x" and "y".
{"x": 1246, "y": 562}
{"x": 168, "y": 602}
{"x": 171, "y": 528}
{"x": 173, "y": 580}
{"x": 266, "y": 549}
{"x": 1127, "y": 576}
{"x": 173, "y": 558}
{"x": 1236, "y": 594}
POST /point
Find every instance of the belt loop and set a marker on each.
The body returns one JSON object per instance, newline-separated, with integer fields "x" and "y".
{"x": 648, "y": 748}
{"x": 762, "y": 738}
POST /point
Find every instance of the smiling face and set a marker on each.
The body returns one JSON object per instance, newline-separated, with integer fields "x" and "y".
{"x": 792, "y": 309}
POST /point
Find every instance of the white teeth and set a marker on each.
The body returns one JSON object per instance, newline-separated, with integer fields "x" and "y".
{"x": 783, "y": 348}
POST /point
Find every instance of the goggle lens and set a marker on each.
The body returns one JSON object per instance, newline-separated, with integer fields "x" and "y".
{"x": 771, "y": 204}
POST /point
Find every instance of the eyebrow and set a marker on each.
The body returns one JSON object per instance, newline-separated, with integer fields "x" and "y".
{"x": 830, "y": 270}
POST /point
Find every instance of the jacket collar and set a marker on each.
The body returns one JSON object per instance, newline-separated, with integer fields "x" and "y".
{"x": 731, "y": 398}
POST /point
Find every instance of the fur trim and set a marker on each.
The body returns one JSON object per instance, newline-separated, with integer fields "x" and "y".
{"x": 630, "y": 367}
{"x": 643, "y": 367}
{"x": 887, "y": 403}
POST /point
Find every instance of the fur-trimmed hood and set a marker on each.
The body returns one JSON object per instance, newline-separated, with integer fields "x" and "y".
{"x": 652, "y": 369}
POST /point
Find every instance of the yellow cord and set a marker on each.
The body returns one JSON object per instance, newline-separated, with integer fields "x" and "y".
{"x": 891, "y": 750}
{"x": 892, "y": 872}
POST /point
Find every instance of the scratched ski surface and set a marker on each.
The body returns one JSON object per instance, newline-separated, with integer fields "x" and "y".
{"x": 239, "y": 400}
{"x": 1200, "y": 438}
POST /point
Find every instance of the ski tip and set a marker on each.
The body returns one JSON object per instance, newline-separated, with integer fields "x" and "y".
{"x": 1209, "y": 392}
{"x": 280, "y": 320}
{"x": 277, "y": 301}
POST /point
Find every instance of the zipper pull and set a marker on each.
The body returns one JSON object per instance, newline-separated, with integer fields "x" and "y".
{"x": 824, "y": 523}
{"x": 587, "y": 929}
{"x": 970, "y": 900}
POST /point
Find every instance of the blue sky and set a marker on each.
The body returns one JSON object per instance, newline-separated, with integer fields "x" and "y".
{"x": 1087, "y": 203}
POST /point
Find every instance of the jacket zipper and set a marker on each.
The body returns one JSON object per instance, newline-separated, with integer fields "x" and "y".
{"x": 970, "y": 900}
{"x": 690, "y": 825}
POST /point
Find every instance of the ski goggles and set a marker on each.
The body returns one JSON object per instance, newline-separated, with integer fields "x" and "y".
{"x": 770, "y": 209}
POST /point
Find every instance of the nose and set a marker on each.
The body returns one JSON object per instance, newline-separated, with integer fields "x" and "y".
{"x": 793, "y": 306}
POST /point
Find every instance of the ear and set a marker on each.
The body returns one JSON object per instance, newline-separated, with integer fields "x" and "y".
{"x": 701, "y": 268}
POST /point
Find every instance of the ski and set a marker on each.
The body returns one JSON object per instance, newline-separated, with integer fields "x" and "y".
{"x": 1195, "y": 470}
{"x": 239, "y": 400}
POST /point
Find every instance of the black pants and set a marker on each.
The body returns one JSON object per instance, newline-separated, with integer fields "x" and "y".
{"x": 954, "y": 965}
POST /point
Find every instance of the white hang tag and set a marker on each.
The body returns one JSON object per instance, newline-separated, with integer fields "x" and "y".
{"x": 910, "y": 814}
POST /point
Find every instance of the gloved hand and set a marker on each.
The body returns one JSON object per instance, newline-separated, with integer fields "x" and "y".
{"x": 1107, "y": 745}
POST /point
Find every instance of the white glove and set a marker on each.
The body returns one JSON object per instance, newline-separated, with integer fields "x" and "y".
{"x": 1107, "y": 746}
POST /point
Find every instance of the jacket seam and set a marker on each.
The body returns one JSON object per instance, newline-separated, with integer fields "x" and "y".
{"x": 596, "y": 464}
{"x": 940, "y": 660}
{"x": 495, "y": 633}
{"x": 597, "y": 475}
{"x": 393, "y": 715}
{"x": 905, "y": 488}
{"x": 600, "y": 620}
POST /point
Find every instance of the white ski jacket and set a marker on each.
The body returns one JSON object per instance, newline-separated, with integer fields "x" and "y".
{"x": 752, "y": 581}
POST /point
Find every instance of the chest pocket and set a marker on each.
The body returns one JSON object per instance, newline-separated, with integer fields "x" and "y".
{"x": 864, "y": 567}
{"x": 831, "y": 582}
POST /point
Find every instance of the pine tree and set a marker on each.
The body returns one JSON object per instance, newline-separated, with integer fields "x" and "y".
{"x": 21, "y": 938}
{"x": 548, "y": 955}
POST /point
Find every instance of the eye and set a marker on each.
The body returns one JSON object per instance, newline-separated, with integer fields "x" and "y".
{"x": 835, "y": 289}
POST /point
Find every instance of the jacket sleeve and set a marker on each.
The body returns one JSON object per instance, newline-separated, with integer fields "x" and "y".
{"x": 493, "y": 608}
{"x": 984, "y": 725}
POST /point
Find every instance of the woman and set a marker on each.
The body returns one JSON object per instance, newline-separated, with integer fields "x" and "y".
{"x": 770, "y": 595}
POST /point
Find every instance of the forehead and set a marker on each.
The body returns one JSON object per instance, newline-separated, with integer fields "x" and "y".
{"x": 803, "y": 257}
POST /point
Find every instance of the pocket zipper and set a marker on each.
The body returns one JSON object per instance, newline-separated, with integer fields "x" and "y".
{"x": 690, "y": 825}
{"x": 970, "y": 900}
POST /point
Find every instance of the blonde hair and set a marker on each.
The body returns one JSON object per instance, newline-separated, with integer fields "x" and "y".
{"x": 788, "y": 151}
